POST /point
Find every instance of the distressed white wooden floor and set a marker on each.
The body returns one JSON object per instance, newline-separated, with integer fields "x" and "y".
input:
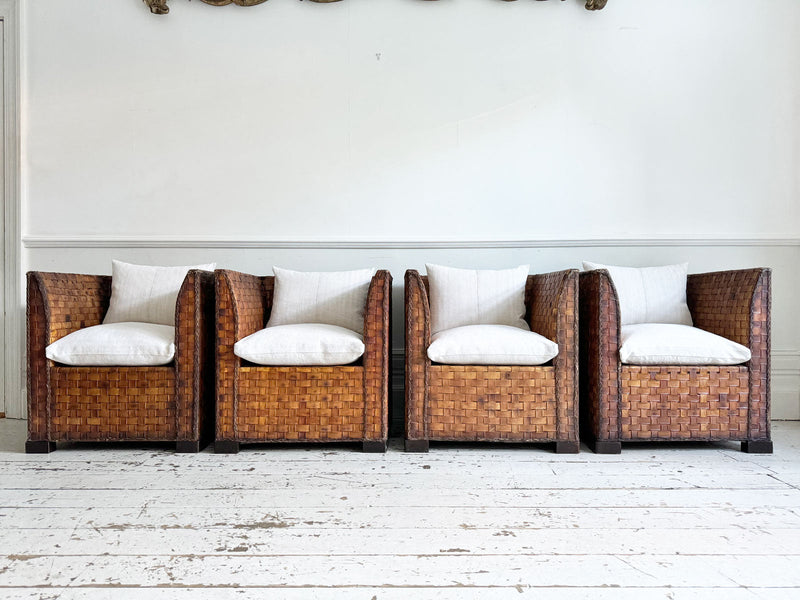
{"x": 659, "y": 521}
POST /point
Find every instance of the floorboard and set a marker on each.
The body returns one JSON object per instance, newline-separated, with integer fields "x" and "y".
{"x": 677, "y": 521}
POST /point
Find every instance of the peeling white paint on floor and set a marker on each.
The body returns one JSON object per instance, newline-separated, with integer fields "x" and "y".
{"x": 685, "y": 521}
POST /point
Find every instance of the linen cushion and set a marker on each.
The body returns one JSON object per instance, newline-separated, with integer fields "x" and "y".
{"x": 491, "y": 345}
{"x": 462, "y": 297}
{"x": 301, "y": 344}
{"x": 115, "y": 344}
{"x": 146, "y": 294}
{"x": 669, "y": 344}
{"x": 335, "y": 298}
{"x": 650, "y": 294}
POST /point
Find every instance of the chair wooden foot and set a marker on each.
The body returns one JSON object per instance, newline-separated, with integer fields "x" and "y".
{"x": 568, "y": 447}
{"x": 417, "y": 445}
{"x": 187, "y": 446}
{"x": 40, "y": 447}
{"x": 757, "y": 447}
{"x": 605, "y": 447}
{"x": 374, "y": 446}
{"x": 226, "y": 447}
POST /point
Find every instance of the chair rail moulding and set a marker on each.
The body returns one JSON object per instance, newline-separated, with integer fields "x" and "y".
{"x": 242, "y": 242}
{"x": 159, "y": 7}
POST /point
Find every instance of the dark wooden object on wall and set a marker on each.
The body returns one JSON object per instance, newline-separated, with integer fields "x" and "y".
{"x": 159, "y": 7}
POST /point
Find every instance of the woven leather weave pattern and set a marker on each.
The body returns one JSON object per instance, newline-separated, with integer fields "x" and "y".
{"x": 74, "y": 301}
{"x": 377, "y": 363}
{"x": 494, "y": 403}
{"x": 599, "y": 361}
{"x": 553, "y": 309}
{"x": 673, "y": 402}
{"x": 720, "y": 302}
{"x": 193, "y": 363}
{"x": 417, "y": 340}
{"x": 300, "y": 404}
{"x": 110, "y": 403}
{"x": 759, "y": 365}
{"x": 259, "y": 403}
{"x": 736, "y": 305}
{"x": 240, "y": 309}
{"x": 488, "y": 403}
{"x": 684, "y": 403}
{"x": 37, "y": 363}
{"x": 113, "y": 403}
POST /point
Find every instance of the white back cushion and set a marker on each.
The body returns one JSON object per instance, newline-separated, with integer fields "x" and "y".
{"x": 116, "y": 344}
{"x": 335, "y": 298}
{"x": 146, "y": 294}
{"x": 650, "y": 294}
{"x": 491, "y": 345}
{"x": 303, "y": 344}
{"x": 462, "y": 297}
{"x": 669, "y": 344}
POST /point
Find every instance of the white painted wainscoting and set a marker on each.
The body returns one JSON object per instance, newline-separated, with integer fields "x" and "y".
{"x": 94, "y": 254}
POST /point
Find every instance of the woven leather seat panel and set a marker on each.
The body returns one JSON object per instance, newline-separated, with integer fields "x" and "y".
{"x": 300, "y": 403}
{"x": 113, "y": 403}
{"x": 691, "y": 403}
{"x": 492, "y": 403}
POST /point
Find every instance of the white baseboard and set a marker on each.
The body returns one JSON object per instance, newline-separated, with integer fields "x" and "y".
{"x": 786, "y": 384}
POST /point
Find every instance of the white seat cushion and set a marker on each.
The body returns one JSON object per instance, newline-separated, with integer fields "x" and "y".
{"x": 116, "y": 344}
{"x": 462, "y": 297}
{"x": 145, "y": 294}
{"x": 335, "y": 298}
{"x": 491, "y": 345}
{"x": 301, "y": 344}
{"x": 669, "y": 344}
{"x": 650, "y": 294}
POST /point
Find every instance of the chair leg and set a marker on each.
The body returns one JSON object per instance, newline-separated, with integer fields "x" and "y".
{"x": 226, "y": 447}
{"x": 187, "y": 446}
{"x": 605, "y": 447}
{"x": 417, "y": 445}
{"x": 40, "y": 447}
{"x": 757, "y": 446}
{"x": 374, "y": 446}
{"x": 568, "y": 447}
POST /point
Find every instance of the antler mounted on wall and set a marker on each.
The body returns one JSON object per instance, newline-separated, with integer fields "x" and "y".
{"x": 159, "y": 7}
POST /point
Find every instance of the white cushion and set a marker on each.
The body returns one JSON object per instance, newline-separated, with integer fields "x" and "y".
{"x": 650, "y": 294}
{"x": 116, "y": 344}
{"x": 335, "y": 298}
{"x": 301, "y": 344}
{"x": 667, "y": 344}
{"x": 462, "y": 297}
{"x": 491, "y": 345}
{"x": 145, "y": 294}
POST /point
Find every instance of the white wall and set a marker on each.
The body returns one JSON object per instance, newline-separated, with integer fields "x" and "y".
{"x": 398, "y": 123}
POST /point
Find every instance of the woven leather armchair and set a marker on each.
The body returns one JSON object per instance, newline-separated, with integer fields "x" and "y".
{"x": 621, "y": 403}
{"x": 170, "y": 403}
{"x": 496, "y": 403}
{"x": 258, "y": 404}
